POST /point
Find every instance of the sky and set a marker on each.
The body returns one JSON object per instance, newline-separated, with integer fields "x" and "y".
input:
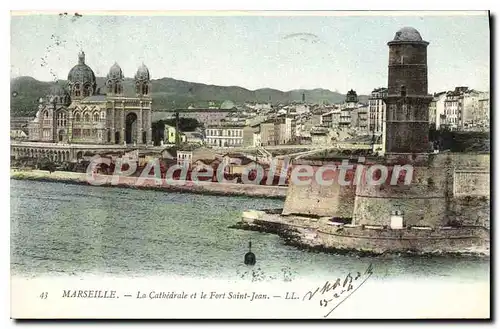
{"x": 337, "y": 52}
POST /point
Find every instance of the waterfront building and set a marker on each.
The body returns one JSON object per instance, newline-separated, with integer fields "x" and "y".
{"x": 79, "y": 113}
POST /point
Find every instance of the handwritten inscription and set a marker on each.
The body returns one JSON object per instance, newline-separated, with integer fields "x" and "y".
{"x": 333, "y": 294}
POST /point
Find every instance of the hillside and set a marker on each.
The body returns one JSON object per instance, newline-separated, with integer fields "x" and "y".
{"x": 171, "y": 93}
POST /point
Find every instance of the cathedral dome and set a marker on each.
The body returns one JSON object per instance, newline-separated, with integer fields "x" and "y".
{"x": 81, "y": 73}
{"x": 115, "y": 72}
{"x": 407, "y": 34}
{"x": 142, "y": 73}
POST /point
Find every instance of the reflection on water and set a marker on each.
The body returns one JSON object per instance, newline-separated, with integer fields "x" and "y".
{"x": 75, "y": 229}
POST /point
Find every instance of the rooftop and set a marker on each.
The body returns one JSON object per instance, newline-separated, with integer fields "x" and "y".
{"x": 407, "y": 34}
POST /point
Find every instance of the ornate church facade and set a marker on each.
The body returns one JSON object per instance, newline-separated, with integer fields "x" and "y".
{"x": 77, "y": 113}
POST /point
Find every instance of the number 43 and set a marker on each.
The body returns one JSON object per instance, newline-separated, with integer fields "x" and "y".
{"x": 44, "y": 295}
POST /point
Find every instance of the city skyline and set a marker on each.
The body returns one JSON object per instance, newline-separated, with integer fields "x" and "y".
{"x": 338, "y": 53}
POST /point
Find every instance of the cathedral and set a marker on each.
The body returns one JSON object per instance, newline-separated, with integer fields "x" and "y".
{"x": 79, "y": 113}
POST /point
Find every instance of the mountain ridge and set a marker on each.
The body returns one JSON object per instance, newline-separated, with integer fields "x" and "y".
{"x": 169, "y": 93}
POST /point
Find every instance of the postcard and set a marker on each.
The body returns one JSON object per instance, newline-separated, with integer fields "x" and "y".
{"x": 250, "y": 165}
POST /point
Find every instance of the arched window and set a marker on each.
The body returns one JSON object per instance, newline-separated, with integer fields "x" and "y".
{"x": 61, "y": 119}
{"x": 96, "y": 117}
{"x": 77, "y": 90}
{"x": 86, "y": 117}
{"x": 78, "y": 117}
{"x": 86, "y": 91}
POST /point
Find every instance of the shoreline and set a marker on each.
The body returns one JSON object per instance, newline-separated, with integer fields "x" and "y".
{"x": 205, "y": 188}
{"x": 305, "y": 237}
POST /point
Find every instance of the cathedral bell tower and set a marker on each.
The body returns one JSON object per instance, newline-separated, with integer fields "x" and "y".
{"x": 114, "y": 81}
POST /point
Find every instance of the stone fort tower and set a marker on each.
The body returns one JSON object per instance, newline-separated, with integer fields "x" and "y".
{"x": 407, "y": 119}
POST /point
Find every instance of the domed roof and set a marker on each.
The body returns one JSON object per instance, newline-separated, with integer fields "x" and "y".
{"x": 81, "y": 73}
{"x": 227, "y": 105}
{"x": 142, "y": 73}
{"x": 407, "y": 34}
{"x": 115, "y": 72}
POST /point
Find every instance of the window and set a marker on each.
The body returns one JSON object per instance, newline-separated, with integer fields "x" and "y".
{"x": 103, "y": 114}
{"x": 46, "y": 118}
{"x": 86, "y": 91}
{"x": 78, "y": 117}
{"x": 61, "y": 119}
{"x": 86, "y": 117}
{"x": 96, "y": 117}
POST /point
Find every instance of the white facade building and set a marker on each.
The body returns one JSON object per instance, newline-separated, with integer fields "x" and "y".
{"x": 224, "y": 135}
{"x": 377, "y": 110}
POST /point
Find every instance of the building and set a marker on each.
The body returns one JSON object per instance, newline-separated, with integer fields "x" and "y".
{"x": 377, "y": 110}
{"x": 18, "y": 134}
{"x": 331, "y": 119}
{"x": 209, "y": 116}
{"x": 257, "y": 140}
{"x": 169, "y": 135}
{"x": 359, "y": 118}
{"x": 184, "y": 158}
{"x": 350, "y": 104}
{"x": 459, "y": 109}
{"x": 484, "y": 110}
{"x": 470, "y": 115}
{"x": 267, "y": 133}
{"x": 453, "y": 110}
{"x": 78, "y": 113}
{"x": 320, "y": 136}
{"x": 248, "y": 135}
{"x": 224, "y": 135}
{"x": 286, "y": 129}
{"x": 193, "y": 137}
{"x": 407, "y": 121}
{"x": 434, "y": 210}
{"x": 436, "y": 110}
